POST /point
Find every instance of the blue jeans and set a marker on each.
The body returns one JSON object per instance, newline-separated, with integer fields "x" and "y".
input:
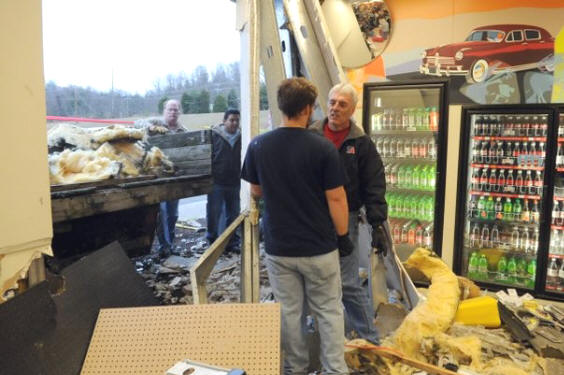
{"x": 168, "y": 214}
{"x": 358, "y": 306}
{"x": 315, "y": 280}
{"x": 222, "y": 209}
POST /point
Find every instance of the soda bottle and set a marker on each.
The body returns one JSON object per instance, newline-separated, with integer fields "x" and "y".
{"x": 473, "y": 265}
{"x": 484, "y": 152}
{"x": 423, "y": 178}
{"x": 413, "y": 206}
{"x": 521, "y": 270}
{"x": 507, "y": 210}
{"x": 414, "y": 148}
{"x": 501, "y": 180}
{"x": 401, "y": 176}
{"x": 538, "y": 183}
{"x": 426, "y": 118}
{"x": 560, "y": 218}
{"x": 500, "y": 152}
{"x": 529, "y": 183}
{"x": 492, "y": 180}
{"x": 434, "y": 119}
{"x": 510, "y": 183}
{"x": 485, "y": 236}
{"x": 484, "y": 179}
{"x": 495, "y": 236}
{"x": 561, "y": 277}
{"x": 416, "y": 182}
{"x": 423, "y": 148}
{"x": 531, "y": 274}
{"x": 428, "y": 236}
{"x": 509, "y": 151}
{"x": 525, "y": 213}
{"x": 533, "y": 159}
{"x": 419, "y": 235}
{"x": 407, "y": 148}
{"x": 396, "y": 232}
{"x": 419, "y": 115}
{"x": 555, "y": 213}
{"x": 411, "y": 233}
{"x": 535, "y": 213}
{"x": 431, "y": 149}
{"x": 517, "y": 209}
{"x": 554, "y": 246}
{"x": 512, "y": 271}
{"x": 498, "y": 208}
{"x": 535, "y": 241}
{"x": 482, "y": 208}
{"x": 552, "y": 274}
{"x": 430, "y": 208}
{"x": 524, "y": 154}
{"x": 400, "y": 148}
{"x": 476, "y": 152}
{"x": 483, "y": 267}
{"x": 490, "y": 208}
{"x": 515, "y": 238}
{"x": 560, "y": 156}
{"x": 475, "y": 179}
{"x": 421, "y": 209}
{"x": 502, "y": 269}
{"x": 475, "y": 236}
{"x": 405, "y": 118}
{"x": 493, "y": 152}
{"x": 404, "y": 231}
{"x": 524, "y": 241}
{"x": 431, "y": 177}
{"x": 520, "y": 183}
{"x": 409, "y": 176}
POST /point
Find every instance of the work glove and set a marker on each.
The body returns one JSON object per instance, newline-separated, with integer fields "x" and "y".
{"x": 379, "y": 240}
{"x": 345, "y": 245}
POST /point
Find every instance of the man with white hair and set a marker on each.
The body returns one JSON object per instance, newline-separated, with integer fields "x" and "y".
{"x": 168, "y": 212}
{"x": 366, "y": 186}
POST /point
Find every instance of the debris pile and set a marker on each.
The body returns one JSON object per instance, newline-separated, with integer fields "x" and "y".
{"x": 428, "y": 339}
{"x": 170, "y": 277}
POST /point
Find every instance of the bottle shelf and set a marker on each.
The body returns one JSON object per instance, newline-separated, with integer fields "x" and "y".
{"x": 478, "y": 220}
{"x": 406, "y": 131}
{"x": 398, "y": 189}
{"x": 502, "y": 166}
{"x": 492, "y": 278}
{"x": 408, "y": 159}
{"x": 558, "y": 227}
{"x": 558, "y": 198}
{"x": 508, "y": 138}
{"x": 505, "y": 195}
{"x": 560, "y": 169}
{"x": 560, "y": 139}
{"x": 554, "y": 288}
{"x": 557, "y": 256}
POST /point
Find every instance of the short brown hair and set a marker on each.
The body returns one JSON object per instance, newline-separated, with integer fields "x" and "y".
{"x": 294, "y": 94}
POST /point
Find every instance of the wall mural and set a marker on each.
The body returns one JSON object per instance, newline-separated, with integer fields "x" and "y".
{"x": 509, "y": 60}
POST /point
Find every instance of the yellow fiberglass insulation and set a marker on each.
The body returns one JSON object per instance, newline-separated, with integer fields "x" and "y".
{"x": 436, "y": 314}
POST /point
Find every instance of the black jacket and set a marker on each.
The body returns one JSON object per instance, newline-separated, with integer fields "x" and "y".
{"x": 226, "y": 159}
{"x": 366, "y": 181}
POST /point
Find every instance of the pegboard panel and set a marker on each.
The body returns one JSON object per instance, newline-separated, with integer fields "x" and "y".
{"x": 150, "y": 340}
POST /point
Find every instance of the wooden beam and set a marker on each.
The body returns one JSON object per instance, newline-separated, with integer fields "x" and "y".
{"x": 200, "y": 272}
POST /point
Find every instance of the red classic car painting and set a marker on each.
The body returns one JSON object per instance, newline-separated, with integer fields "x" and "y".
{"x": 490, "y": 50}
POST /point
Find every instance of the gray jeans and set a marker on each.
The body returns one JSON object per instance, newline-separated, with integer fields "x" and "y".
{"x": 316, "y": 280}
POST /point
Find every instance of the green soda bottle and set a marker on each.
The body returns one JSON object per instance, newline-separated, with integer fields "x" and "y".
{"x": 416, "y": 177}
{"x": 517, "y": 208}
{"x": 507, "y": 210}
{"x": 401, "y": 176}
{"x": 473, "y": 265}
{"x": 502, "y": 270}
{"x": 521, "y": 270}
{"x": 429, "y": 208}
{"x": 431, "y": 177}
{"x": 512, "y": 271}
{"x": 408, "y": 177}
{"x": 531, "y": 274}
{"x": 423, "y": 178}
{"x": 391, "y": 201}
{"x": 483, "y": 267}
{"x": 490, "y": 208}
{"x": 413, "y": 206}
{"x": 421, "y": 208}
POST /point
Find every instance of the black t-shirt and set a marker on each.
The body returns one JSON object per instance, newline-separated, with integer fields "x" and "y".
{"x": 294, "y": 167}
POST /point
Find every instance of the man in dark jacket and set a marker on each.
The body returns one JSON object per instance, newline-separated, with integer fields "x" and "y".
{"x": 223, "y": 202}
{"x": 366, "y": 186}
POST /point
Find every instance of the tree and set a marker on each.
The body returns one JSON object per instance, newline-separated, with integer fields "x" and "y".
{"x": 263, "y": 98}
{"x": 219, "y": 104}
{"x": 203, "y": 102}
{"x": 162, "y": 101}
{"x": 200, "y": 76}
{"x": 187, "y": 103}
{"x": 232, "y": 99}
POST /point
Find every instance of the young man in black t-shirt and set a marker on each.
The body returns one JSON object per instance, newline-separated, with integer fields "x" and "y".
{"x": 300, "y": 177}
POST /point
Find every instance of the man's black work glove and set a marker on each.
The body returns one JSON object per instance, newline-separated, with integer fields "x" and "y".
{"x": 379, "y": 240}
{"x": 345, "y": 245}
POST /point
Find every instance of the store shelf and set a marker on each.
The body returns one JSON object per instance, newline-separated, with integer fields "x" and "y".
{"x": 558, "y": 198}
{"x": 557, "y": 256}
{"x": 397, "y": 189}
{"x": 505, "y": 195}
{"x": 501, "y": 222}
{"x": 410, "y": 159}
{"x": 403, "y": 132}
{"x": 558, "y": 227}
{"x": 554, "y": 288}
{"x": 509, "y": 138}
{"x": 501, "y": 166}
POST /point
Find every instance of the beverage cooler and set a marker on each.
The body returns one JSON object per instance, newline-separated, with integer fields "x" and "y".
{"x": 407, "y": 122}
{"x": 510, "y": 219}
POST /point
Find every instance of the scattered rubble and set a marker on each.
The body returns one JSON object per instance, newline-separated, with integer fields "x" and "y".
{"x": 170, "y": 277}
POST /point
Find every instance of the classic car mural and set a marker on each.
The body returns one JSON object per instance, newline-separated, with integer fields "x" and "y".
{"x": 490, "y": 50}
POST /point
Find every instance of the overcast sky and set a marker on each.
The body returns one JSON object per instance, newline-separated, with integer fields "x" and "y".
{"x": 140, "y": 40}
